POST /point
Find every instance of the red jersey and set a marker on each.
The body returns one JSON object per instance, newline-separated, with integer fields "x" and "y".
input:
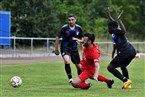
{"x": 90, "y": 57}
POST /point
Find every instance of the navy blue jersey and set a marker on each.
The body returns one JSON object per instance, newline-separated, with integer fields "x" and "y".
{"x": 121, "y": 41}
{"x": 66, "y": 33}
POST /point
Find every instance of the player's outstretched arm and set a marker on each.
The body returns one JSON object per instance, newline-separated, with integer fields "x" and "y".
{"x": 120, "y": 22}
{"x": 95, "y": 77}
{"x": 78, "y": 40}
{"x": 109, "y": 15}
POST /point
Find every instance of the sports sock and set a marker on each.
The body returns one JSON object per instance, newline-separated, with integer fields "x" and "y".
{"x": 102, "y": 78}
{"x": 68, "y": 70}
{"x": 124, "y": 79}
{"x": 82, "y": 85}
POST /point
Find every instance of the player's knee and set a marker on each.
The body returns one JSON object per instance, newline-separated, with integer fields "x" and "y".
{"x": 66, "y": 62}
{"x": 110, "y": 67}
{"x": 73, "y": 84}
{"x": 66, "y": 59}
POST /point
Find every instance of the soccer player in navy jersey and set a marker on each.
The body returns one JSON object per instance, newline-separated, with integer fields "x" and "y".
{"x": 69, "y": 50}
{"x": 125, "y": 49}
{"x": 90, "y": 64}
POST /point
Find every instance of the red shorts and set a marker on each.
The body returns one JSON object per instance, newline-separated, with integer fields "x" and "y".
{"x": 87, "y": 74}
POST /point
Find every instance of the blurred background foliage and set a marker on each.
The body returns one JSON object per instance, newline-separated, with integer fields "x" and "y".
{"x": 44, "y": 18}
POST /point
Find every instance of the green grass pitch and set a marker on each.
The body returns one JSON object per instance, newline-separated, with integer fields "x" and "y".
{"x": 50, "y": 80}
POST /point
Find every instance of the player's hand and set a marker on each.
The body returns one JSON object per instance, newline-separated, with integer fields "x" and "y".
{"x": 95, "y": 78}
{"x": 56, "y": 52}
{"x": 120, "y": 15}
{"x": 77, "y": 40}
{"x": 108, "y": 12}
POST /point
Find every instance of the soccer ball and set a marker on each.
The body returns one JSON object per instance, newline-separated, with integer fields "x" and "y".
{"x": 16, "y": 81}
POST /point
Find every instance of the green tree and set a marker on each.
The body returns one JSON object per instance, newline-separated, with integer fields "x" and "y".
{"x": 43, "y": 18}
{"x": 32, "y": 18}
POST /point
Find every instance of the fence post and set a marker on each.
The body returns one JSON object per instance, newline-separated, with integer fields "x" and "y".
{"x": 137, "y": 48}
{"x": 107, "y": 48}
{"x": 14, "y": 44}
{"x": 31, "y": 46}
{"x": 47, "y": 45}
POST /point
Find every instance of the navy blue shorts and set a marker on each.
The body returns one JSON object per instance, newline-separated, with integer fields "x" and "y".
{"x": 123, "y": 59}
{"x": 75, "y": 58}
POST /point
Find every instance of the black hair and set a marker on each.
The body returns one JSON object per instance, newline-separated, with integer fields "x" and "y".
{"x": 71, "y": 15}
{"x": 113, "y": 24}
{"x": 90, "y": 36}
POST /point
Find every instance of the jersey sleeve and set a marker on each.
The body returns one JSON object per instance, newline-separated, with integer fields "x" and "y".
{"x": 59, "y": 34}
{"x": 81, "y": 33}
{"x": 96, "y": 56}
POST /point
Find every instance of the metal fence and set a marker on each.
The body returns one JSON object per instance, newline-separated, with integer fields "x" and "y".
{"x": 41, "y": 47}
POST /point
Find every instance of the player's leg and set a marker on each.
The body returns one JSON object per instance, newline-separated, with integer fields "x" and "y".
{"x": 117, "y": 62}
{"x": 108, "y": 81}
{"x": 76, "y": 60}
{"x": 79, "y": 82}
{"x": 130, "y": 57}
{"x": 66, "y": 58}
{"x": 116, "y": 73}
{"x": 76, "y": 82}
{"x": 78, "y": 68}
{"x": 125, "y": 72}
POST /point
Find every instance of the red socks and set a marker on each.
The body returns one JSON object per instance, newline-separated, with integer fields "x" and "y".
{"x": 83, "y": 85}
{"x": 102, "y": 78}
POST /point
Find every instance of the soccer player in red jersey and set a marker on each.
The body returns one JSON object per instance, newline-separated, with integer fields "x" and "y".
{"x": 89, "y": 64}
